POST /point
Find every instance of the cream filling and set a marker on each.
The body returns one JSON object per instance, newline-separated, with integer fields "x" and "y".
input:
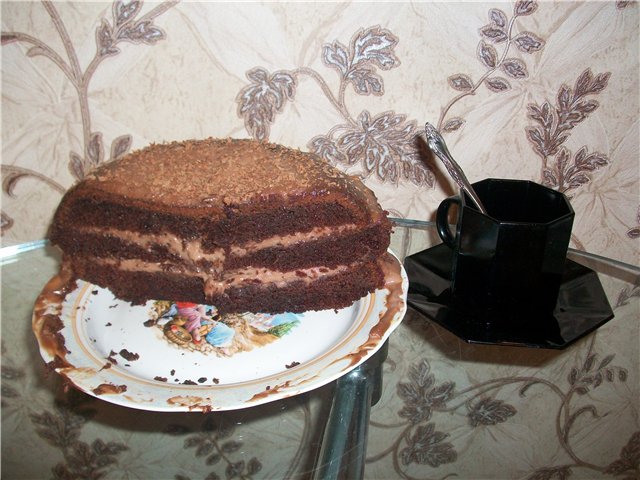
{"x": 191, "y": 251}
{"x": 287, "y": 240}
{"x": 231, "y": 278}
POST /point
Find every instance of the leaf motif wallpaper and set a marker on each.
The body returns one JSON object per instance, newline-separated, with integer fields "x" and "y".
{"x": 546, "y": 91}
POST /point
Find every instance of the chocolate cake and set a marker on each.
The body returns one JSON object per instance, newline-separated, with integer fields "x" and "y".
{"x": 239, "y": 224}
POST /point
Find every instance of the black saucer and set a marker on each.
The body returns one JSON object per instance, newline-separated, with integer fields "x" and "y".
{"x": 582, "y": 306}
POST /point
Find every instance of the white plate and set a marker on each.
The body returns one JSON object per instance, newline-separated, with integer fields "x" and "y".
{"x": 107, "y": 348}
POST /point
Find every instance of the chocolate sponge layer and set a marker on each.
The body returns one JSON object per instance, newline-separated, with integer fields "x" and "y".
{"x": 332, "y": 292}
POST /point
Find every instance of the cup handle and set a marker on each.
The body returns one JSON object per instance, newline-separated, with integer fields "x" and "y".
{"x": 442, "y": 220}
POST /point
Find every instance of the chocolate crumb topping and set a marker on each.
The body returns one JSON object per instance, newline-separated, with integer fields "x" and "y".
{"x": 204, "y": 168}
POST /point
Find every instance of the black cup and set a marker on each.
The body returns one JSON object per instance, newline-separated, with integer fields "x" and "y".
{"x": 513, "y": 257}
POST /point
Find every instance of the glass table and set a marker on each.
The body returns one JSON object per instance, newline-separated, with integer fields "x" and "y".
{"x": 428, "y": 405}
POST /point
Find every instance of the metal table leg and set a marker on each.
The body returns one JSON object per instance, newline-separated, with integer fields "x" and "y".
{"x": 344, "y": 443}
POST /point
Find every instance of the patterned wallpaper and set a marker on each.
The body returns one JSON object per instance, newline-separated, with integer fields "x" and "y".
{"x": 543, "y": 91}
{"x": 546, "y": 91}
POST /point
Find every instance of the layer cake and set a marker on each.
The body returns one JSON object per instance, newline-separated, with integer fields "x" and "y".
{"x": 239, "y": 224}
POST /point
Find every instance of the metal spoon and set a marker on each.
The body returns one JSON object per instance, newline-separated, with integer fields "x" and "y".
{"x": 439, "y": 147}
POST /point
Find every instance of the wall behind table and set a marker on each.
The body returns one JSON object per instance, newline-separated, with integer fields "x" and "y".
{"x": 541, "y": 91}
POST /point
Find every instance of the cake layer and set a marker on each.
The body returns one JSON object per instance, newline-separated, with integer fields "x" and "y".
{"x": 362, "y": 245}
{"x": 327, "y": 246}
{"x": 221, "y": 191}
{"x": 295, "y": 292}
{"x": 241, "y": 224}
{"x": 214, "y": 229}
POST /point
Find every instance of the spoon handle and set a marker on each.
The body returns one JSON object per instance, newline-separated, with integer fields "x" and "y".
{"x": 439, "y": 147}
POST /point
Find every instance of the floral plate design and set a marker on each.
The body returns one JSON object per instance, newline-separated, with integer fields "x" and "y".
{"x": 116, "y": 351}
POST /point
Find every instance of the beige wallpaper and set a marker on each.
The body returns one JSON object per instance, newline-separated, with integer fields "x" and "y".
{"x": 543, "y": 91}
{"x": 546, "y": 91}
